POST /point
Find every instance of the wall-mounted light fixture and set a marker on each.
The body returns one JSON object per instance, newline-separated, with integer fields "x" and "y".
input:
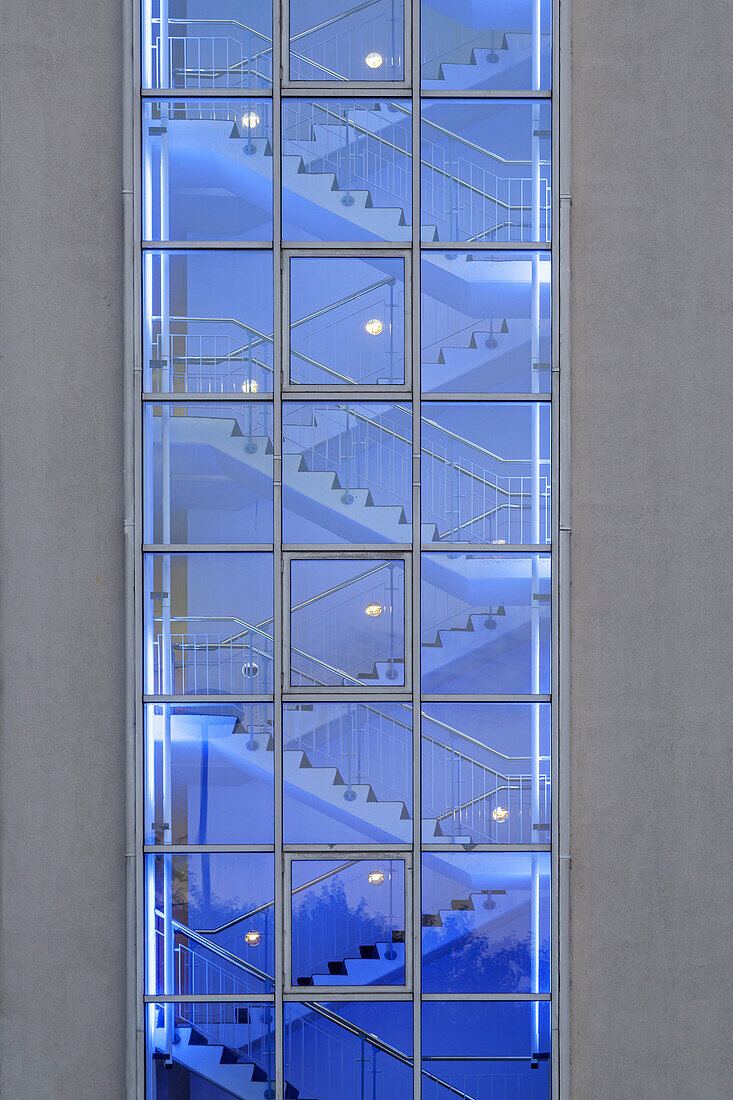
{"x": 374, "y": 326}
{"x": 252, "y": 938}
{"x": 374, "y": 60}
{"x": 376, "y": 878}
{"x": 500, "y": 814}
{"x": 250, "y": 385}
{"x": 373, "y": 610}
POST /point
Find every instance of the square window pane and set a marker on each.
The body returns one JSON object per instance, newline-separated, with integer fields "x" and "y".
{"x": 210, "y": 924}
{"x": 207, "y": 170}
{"x": 347, "y": 771}
{"x": 487, "y": 46}
{"x": 486, "y": 623}
{"x": 207, "y": 44}
{"x": 207, "y": 473}
{"x": 216, "y": 1050}
{"x": 208, "y": 624}
{"x": 347, "y": 170}
{"x": 347, "y": 321}
{"x": 481, "y": 481}
{"x": 348, "y": 922}
{"x": 479, "y": 783}
{"x": 337, "y": 40}
{"x": 347, "y": 472}
{"x": 208, "y": 322}
{"x": 479, "y": 161}
{"x": 479, "y": 934}
{"x": 486, "y": 322}
{"x": 209, "y": 774}
{"x": 344, "y": 1049}
{"x": 347, "y": 622}
{"x": 486, "y": 1049}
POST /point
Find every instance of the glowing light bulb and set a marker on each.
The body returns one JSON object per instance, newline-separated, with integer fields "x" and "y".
{"x": 500, "y": 814}
{"x": 374, "y": 60}
{"x": 250, "y": 120}
{"x": 373, "y": 610}
{"x": 376, "y": 878}
{"x": 252, "y": 939}
{"x": 250, "y": 385}
{"x": 374, "y": 327}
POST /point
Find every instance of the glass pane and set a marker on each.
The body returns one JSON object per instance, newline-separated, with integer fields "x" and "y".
{"x": 207, "y": 170}
{"x": 343, "y": 1050}
{"x": 208, "y": 624}
{"x": 481, "y": 481}
{"x": 207, "y": 44}
{"x": 348, "y": 922}
{"x": 347, "y": 472}
{"x": 347, "y": 170}
{"x": 347, "y": 321}
{"x": 486, "y": 1049}
{"x": 210, "y": 923}
{"x": 479, "y": 912}
{"x": 338, "y": 40}
{"x": 486, "y": 623}
{"x": 486, "y": 322}
{"x": 208, "y": 473}
{"x": 479, "y": 159}
{"x": 347, "y": 622}
{"x": 216, "y": 1051}
{"x": 347, "y": 771}
{"x": 208, "y": 774}
{"x": 208, "y": 322}
{"x": 486, "y": 773}
{"x": 468, "y": 46}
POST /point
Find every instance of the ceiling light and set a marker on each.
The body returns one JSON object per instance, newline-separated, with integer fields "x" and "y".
{"x": 373, "y": 610}
{"x": 374, "y": 327}
{"x": 374, "y": 60}
{"x": 249, "y": 668}
{"x": 252, "y": 939}
{"x": 250, "y": 120}
{"x": 500, "y": 814}
{"x": 250, "y": 385}
{"x": 376, "y": 878}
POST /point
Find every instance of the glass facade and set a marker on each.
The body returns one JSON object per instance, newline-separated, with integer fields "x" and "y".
{"x": 346, "y": 604}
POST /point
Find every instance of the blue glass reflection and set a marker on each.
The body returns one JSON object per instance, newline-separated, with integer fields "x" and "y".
{"x": 347, "y": 773}
{"x": 486, "y": 169}
{"x": 499, "y": 44}
{"x": 486, "y": 773}
{"x": 486, "y": 472}
{"x": 208, "y": 624}
{"x": 347, "y": 170}
{"x": 208, "y": 322}
{"x": 487, "y": 1049}
{"x": 347, "y": 322}
{"x": 347, "y": 622}
{"x": 348, "y": 922}
{"x": 344, "y": 1049}
{"x": 208, "y": 473}
{"x": 207, "y": 44}
{"x": 486, "y": 623}
{"x": 338, "y": 40}
{"x": 209, "y": 774}
{"x": 486, "y": 922}
{"x": 207, "y": 170}
{"x": 486, "y": 322}
{"x": 347, "y": 472}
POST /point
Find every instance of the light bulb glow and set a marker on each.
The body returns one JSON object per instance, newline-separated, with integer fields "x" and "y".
{"x": 500, "y": 814}
{"x": 373, "y": 610}
{"x": 374, "y": 326}
{"x": 250, "y": 120}
{"x": 250, "y": 385}
{"x": 252, "y": 939}
{"x": 374, "y": 60}
{"x": 376, "y": 878}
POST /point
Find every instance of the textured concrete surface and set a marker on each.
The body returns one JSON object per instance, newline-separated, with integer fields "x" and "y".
{"x": 61, "y": 579}
{"x": 652, "y": 617}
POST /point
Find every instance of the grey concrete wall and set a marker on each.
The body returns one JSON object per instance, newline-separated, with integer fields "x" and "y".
{"x": 61, "y": 559}
{"x": 652, "y": 618}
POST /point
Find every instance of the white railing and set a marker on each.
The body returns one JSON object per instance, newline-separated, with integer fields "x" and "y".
{"x": 214, "y": 662}
{"x": 212, "y": 362}
{"x": 323, "y": 53}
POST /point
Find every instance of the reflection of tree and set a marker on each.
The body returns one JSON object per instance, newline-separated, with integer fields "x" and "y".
{"x": 326, "y": 929}
{"x": 476, "y": 963}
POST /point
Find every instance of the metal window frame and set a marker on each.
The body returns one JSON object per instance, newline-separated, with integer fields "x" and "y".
{"x": 559, "y": 248}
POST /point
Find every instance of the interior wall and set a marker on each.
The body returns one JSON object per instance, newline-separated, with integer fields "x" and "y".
{"x": 651, "y": 614}
{"x": 61, "y": 555}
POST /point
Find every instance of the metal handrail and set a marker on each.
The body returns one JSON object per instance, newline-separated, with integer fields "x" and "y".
{"x": 320, "y": 1010}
